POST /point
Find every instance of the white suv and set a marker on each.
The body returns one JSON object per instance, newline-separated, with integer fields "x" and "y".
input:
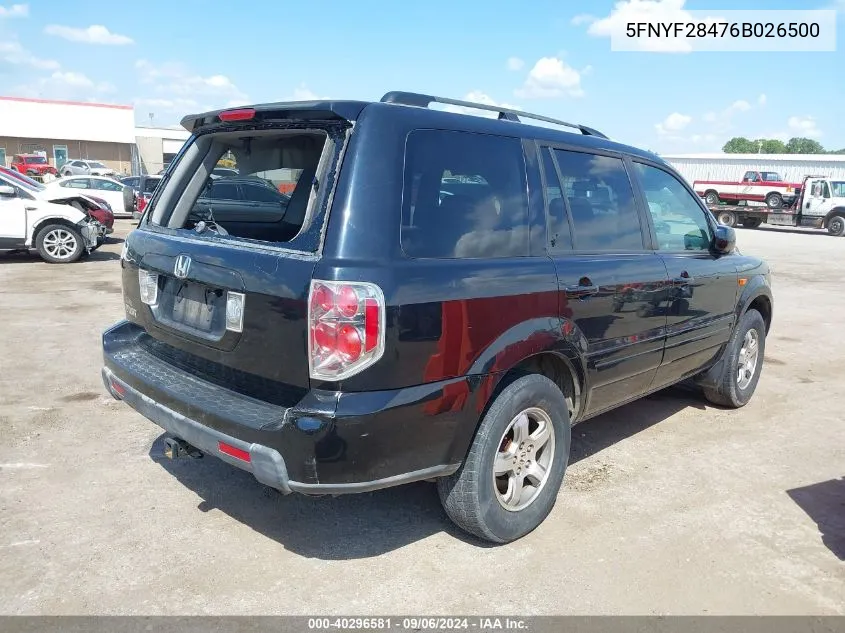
{"x": 86, "y": 168}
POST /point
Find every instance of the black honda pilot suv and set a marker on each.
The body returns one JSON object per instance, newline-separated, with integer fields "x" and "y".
{"x": 392, "y": 292}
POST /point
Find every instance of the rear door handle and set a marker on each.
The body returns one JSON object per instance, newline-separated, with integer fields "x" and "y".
{"x": 579, "y": 292}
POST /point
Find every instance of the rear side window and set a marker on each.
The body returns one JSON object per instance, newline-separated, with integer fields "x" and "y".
{"x": 223, "y": 191}
{"x": 601, "y": 202}
{"x": 559, "y": 235}
{"x": 464, "y": 196}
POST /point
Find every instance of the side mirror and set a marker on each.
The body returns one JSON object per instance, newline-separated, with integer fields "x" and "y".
{"x": 7, "y": 192}
{"x": 724, "y": 239}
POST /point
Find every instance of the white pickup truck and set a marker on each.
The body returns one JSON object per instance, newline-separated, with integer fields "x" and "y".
{"x": 60, "y": 230}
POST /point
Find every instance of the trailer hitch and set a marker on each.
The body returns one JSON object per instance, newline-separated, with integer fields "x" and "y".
{"x": 176, "y": 448}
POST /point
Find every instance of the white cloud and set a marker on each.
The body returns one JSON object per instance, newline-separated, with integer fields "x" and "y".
{"x": 304, "y": 93}
{"x": 70, "y": 78}
{"x": 804, "y": 126}
{"x": 14, "y": 11}
{"x": 710, "y": 117}
{"x": 675, "y": 122}
{"x": 740, "y": 106}
{"x": 515, "y": 63}
{"x": 173, "y": 83}
{"x": 94, "y": 34}
{"x": 476, "y": 96}
{"x": 65, "y": 84}
{"x": 656, "y": 12}
{"x": 583, "y": 18}
{"x": 13, "y": 53}
{"x": 761, "y": 100}
{"x": 648, "y": 11}
{"x": 551, "y": 77}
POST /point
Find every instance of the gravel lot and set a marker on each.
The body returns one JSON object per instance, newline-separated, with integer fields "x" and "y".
{"x": 670, "y": 507}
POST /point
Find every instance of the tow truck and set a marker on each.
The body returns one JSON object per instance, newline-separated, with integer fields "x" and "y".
{"x": 820, "y": 205}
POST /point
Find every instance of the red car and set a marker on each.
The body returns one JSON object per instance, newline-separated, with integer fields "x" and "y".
{"x": 32, "y": 165}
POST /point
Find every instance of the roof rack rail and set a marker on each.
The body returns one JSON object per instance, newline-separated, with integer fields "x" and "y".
{"x": 508, "y": 114}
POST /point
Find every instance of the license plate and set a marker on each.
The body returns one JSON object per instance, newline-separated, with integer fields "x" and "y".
{"x": 194, "y": 306}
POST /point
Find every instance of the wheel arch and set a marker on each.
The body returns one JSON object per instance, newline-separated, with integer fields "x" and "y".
{"x": 833, "y": 212}
{"x": 554, "y": 348}
{"x": 44, "y": 222}
{"x": 757, "y": 296}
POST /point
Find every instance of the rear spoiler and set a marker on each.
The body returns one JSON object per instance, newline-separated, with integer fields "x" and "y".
{"x": 281, "y": 111}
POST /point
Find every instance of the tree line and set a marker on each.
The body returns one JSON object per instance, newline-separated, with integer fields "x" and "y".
{"x": 797, "y": 145}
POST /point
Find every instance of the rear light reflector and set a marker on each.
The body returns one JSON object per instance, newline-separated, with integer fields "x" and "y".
{"x": 148, "y": 285}
{"x": 235, "y": 311}
{"x": 117, "y": 387}
{"x": 234, "y": 451}
{"x": 241, "y": 114}
{"x": 345, "y": 328}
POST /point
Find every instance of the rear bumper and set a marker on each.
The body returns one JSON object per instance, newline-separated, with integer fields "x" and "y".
{"x": 327, "y": 443}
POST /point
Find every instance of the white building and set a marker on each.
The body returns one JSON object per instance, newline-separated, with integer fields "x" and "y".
{"x": 67, "y": 130}
{"x": 791, "y": 167}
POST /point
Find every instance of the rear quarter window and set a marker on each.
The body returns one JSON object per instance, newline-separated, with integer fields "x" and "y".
{"x": 464, "y": 196}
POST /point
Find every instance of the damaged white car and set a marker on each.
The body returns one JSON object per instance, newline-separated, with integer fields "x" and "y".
{"x": 60, "y": 230}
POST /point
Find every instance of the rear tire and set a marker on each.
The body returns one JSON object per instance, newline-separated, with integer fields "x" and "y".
{"x": 711, "y": 198}
{"x": 774, "y": 200}
{"x": 59, "y": 244}
{"x": 752, "y": 223}
{"x": 490, "y": 507}
{"x": 728, "y": 218}
{"x": 836, "y": 226}
{"x": 743, "y": 363}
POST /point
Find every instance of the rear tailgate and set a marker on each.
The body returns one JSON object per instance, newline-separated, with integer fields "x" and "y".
{"x": 187, "y": 326}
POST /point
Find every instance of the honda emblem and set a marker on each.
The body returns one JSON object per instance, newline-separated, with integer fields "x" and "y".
{"x": 182, "y": 266}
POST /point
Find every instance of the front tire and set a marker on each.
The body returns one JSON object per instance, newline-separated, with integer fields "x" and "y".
{"x": 510, "y": 479}
{"x": 711, "y": 198}
{"x": 743, "y": 363}
{"x": 59, "y": 244}
{"x": 836, "y": 226}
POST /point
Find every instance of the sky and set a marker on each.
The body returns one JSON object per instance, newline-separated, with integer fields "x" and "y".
{"x": 173, "y": 58}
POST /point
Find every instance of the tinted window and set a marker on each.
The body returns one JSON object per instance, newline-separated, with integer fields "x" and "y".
{"x": 223, "y": 191}
{"x": 150, "y": 185}
{"x": 107, "y": 185}
{"x": 260, "y": 193}
{"x": 130, "y": 182}
{"x": 465, "y": 196}
{"x": 601, "y": 202}
{"x": 559, "y": 234}
{"x": 78, "y": 163}
{"x": 679, "y": 221}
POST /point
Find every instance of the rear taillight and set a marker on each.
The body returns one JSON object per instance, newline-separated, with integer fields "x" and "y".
{"x": 148, "y": 286}
{"x": 345, "y": 328}
{"x": 142, "y": 203}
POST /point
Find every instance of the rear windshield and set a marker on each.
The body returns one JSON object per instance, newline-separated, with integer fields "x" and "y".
{"x": 36, "y": 160}
{"x": 250, "y": 185}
